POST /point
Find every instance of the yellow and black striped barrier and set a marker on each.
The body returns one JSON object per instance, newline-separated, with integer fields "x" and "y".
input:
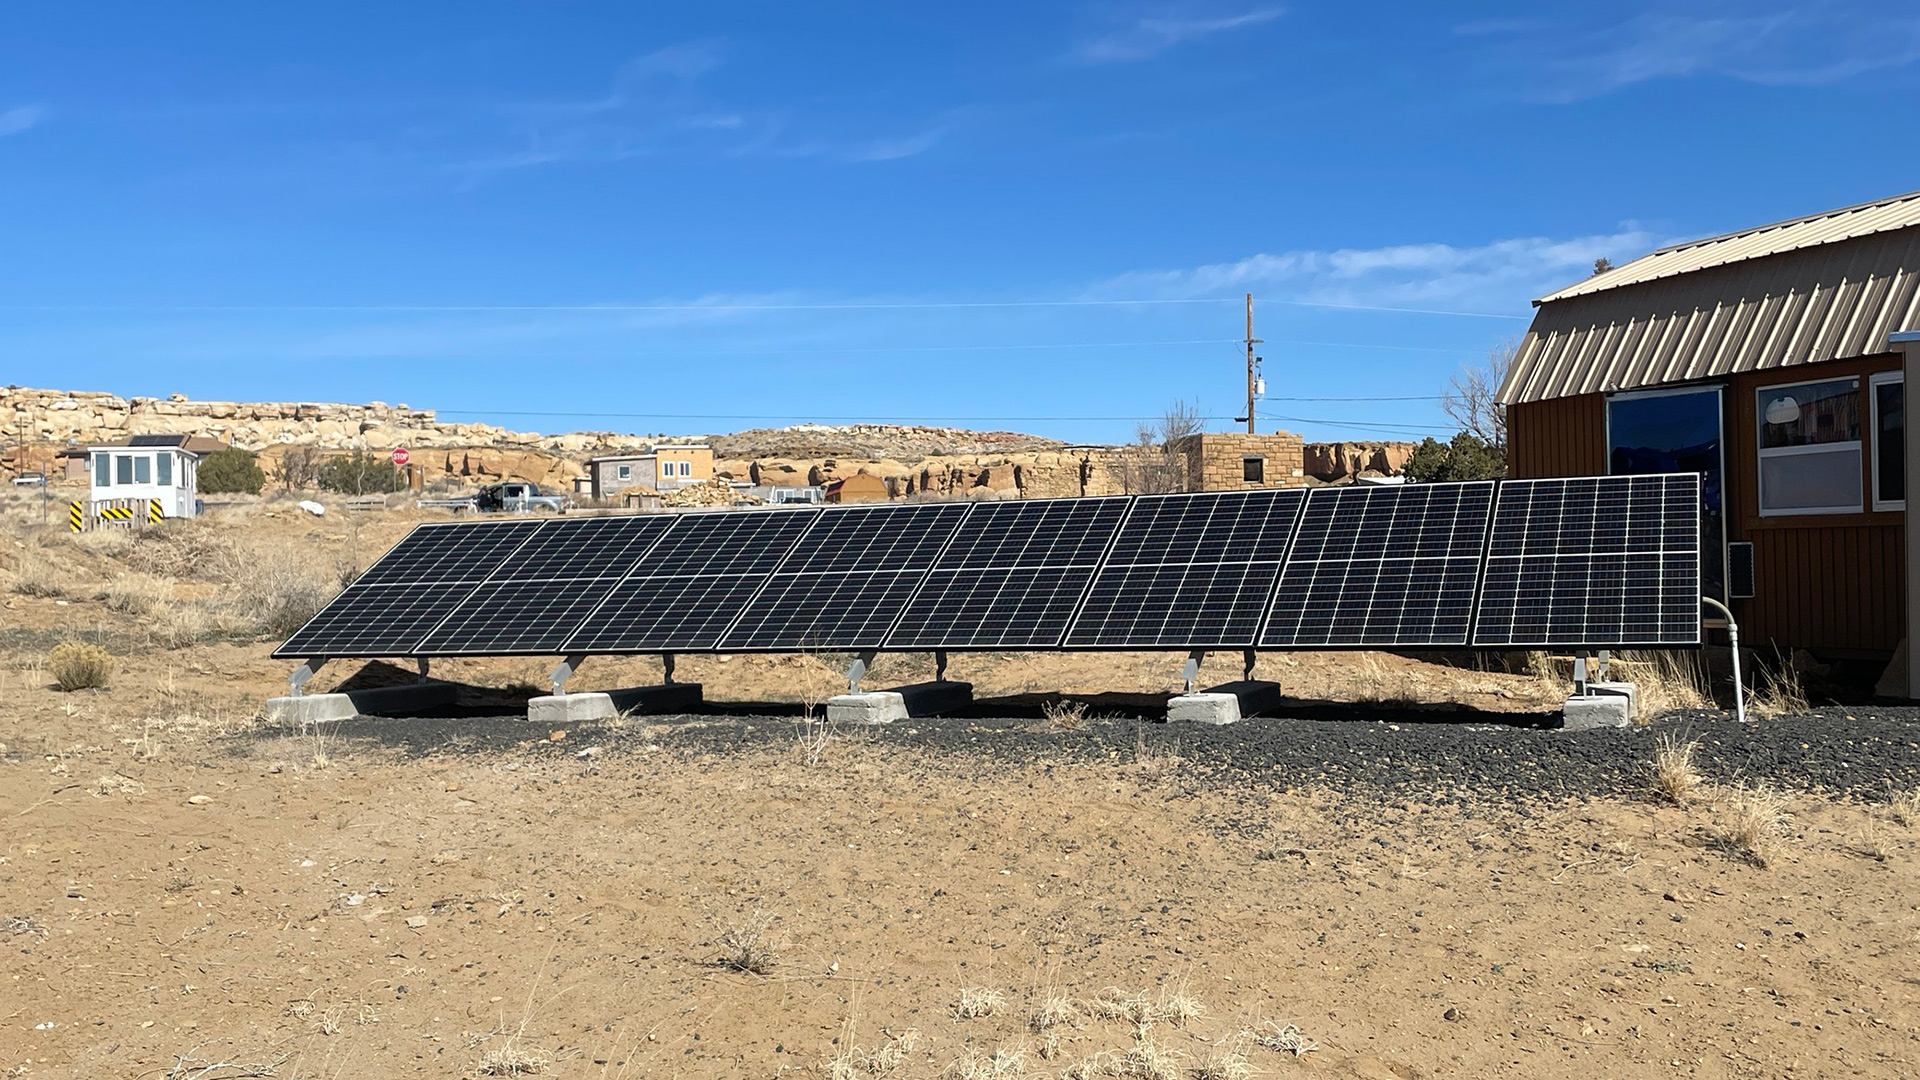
{"x": 153, "y": 512}
{"x": 77, "y": 516}
{"x": 117, "y": 513}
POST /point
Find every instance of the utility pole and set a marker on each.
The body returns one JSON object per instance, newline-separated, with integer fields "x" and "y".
{"x": 1253, "y": 364}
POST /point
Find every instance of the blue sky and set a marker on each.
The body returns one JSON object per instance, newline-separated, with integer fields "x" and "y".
{"x": 695, "y": 218}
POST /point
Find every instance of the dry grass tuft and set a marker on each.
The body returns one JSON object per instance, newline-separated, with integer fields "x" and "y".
{"x": 750, "y": 947}
{"x": 1052, "y": 1009}
{"x": 1156, "y": 760}
{"x": 1002, "y": 1062}
{"x": 859, "y": 1063}
{"x": 1905, "y": 807}
{"x": 513, "y": 1060}
{"x": 977, "y": 1002}
{"x": 1780, "y": 692}
{"x": 1225, "y": 1060}
{"x": 811, "y": 737}
{"x": 77, "y": 665}
{"x": 1284, "y": 1039}
{"x": 21, "y": 925}
{"x": 1174, "y": 1006}
{"x": 1755, "y": 819}
{"x": 1870, "y": 842}
{"x": 1674, "y": 777}
{"x": 1668, "y": 681}
{"x": 1065, "y": 716}
{"x": 1146, "y": 1059}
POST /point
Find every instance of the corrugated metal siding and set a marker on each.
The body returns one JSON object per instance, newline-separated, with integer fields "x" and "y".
{"x": 1828, "y": 586}
{"x": 1826, "y": 303}
{"x": 1562, "y": 437}
{"x": 1828, "y": 227}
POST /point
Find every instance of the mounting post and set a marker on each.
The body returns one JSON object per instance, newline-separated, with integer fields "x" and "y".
{"x": 939, "y": 665}
{"x": 1580, "y": 675}
{"x": 1246, "y": 665}
{"x": 298, "y": 680}
{"x": 422, "y": 662}
{"x": 564, "y": 672}
{"x": 1605, "y": 656}
{"x": 857, "y": 670}
{"x": 666, "y": 668}
{"x": 1191, "y": 669}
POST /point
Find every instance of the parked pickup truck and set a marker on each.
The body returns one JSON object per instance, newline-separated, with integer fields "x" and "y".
{"x": 512, "y": 497}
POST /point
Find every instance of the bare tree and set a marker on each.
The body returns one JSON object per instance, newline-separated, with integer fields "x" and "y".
{"x": 300, "y": 467}
{"x": 1472, "y": 398}
{"x": 1155, "y": 463}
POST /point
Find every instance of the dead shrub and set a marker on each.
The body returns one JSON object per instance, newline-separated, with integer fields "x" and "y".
{"x": 513, "y": 1060}
{"x": 77, "y": 665}
{"x": 186, "y": 550}
{"x": 1225, "y": 1060}
{"x": 1905, "y": 807}
{"x": 750, "y": 947}
{"x": 1284, "y": 1039}
{"x": 860, "y": 1063}
{"x": 137, "y": 594}
{"x": 1669, "y": 680}
{"x": 977, "y": 1002}
{"x": 976, "y": 1065}
{"x": 282, "y": 594}
{"x": 1674, "y": 777}
{"x": 1780, "y": 691}
{"x": 1064, "y": 716}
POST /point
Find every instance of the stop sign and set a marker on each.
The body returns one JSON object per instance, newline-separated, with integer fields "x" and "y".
{"x": 400, "y": 455}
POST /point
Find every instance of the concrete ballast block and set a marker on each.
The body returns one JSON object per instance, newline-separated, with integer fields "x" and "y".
{"x": 1583, "y": 712}
{"x": 873, "y": 707}
{"x": 1204, "y": 708}
{"x": 310, "y": 709}
{"x": 557, "y": 709}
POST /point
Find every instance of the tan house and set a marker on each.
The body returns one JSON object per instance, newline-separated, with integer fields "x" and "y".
{"x": 1773, "y": 361}
{"x": 860, "y": 487}
{"x": 663, "y": 467}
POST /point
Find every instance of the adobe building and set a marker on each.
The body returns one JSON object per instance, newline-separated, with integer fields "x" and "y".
{"x": 1774, "y": 362}
{"x": 663, "y": 467}
{"x": 1237, "y": 461}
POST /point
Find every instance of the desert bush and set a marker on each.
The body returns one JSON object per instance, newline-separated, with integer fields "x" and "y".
{"x": 280, "y": 594}
{"x": 188, "y": 550}
{"x": 1780, "y": 691}
{"x": 1754, "y": 820}
{"x": 1674, "y": 777}
{"x": 360, "y": 474}
{"x": 979, "y": 1001}
{"x": 1905, "y": 806}
{"x": 1284, "y": 1039}
{"x": 1064, "y": 716}
{"x": 750, "y": 947}
{"x": 77, "y": 665}
{"x": 1669, "y": 680}
{"x": 227, "y": 472}
{"x": 137, "y": 594}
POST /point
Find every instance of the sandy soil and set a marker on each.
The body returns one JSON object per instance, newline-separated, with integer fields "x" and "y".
{"x": 187, "y": 892}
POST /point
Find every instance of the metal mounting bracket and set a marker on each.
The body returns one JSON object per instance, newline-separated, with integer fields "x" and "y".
{"x": 1604, "y": 657}
{"x": 939, "y": 665}
{"x": 564, "y": 672}
{"x": 1246, "y": 665}
{"x": 666, "y": 668}
{"x": 1190, "y": 671}
{"x": 1580, "y": 675}
{"x": 857, "y": 670}
{"x": 422, "y": 662}
{"x": 297, "y": 681}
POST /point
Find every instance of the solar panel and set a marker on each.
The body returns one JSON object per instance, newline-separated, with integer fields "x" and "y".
{"x": 692, "y": 583}
{"x": 1189, "y": 571}
{"x": 1381, "y": 567}
{"x": 848, "y": 578}
{"x": 1011, "y": 577}
{"x": 1600, "y": 562}
{"x": 388, "y": 609}
{"x": 535, "y": 601}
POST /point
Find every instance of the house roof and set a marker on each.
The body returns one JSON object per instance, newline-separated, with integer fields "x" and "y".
{"x": 1836, "y": 293}
{"x": 1828, "y": 227}
{"x": 192, "y": 444}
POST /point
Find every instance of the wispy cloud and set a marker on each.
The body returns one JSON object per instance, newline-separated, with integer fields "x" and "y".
{"x": 1144, "y": 37}
{"x": 1801, "y": 46}
{"x": 1497, "y": 278}
{"x": 20, "y": 118}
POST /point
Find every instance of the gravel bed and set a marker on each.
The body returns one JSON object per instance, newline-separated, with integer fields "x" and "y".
{"x": 1863, "y": 752}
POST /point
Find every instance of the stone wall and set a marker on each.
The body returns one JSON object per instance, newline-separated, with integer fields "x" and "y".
{"x": 1216, "y": 461}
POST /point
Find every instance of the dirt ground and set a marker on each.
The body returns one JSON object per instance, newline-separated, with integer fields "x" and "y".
{"x": 186, "y": 891}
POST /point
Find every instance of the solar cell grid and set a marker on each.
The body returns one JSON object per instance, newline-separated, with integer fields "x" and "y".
{"x": 882, "y": 537}
{"x": 1593, "y": 561}
{"x": 1189, "y": 571}
{"x": 1012, "y": 575}
{"x": 1382, "y": 566}
{"x": 460, "y": 551}
{"x": 584, "y": 548}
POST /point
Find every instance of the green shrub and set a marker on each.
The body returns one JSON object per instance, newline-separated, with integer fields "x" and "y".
{"x": 77, "y": 665}
{"x": 226, "y": 472}
{"x": 1467, "y": 457}
{"x": 361, "y": 474}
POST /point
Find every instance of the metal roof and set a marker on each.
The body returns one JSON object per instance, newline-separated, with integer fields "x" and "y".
{"x": 1832, "y": 226}
{"x": 1833, "y": 301}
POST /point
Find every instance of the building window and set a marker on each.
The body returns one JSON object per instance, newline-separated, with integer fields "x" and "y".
{"x": 143, "y": 469}
{"x": 686, "y": 468}
{"x": 1668, "y": 431}
{"x": 1809, "y": 447}
{"x": 102, "y": 470}
{"x": 123, "y": 468}
{"x": 1253, "y": 469}
{"x": 1889, "y": 441}
{"x": 164, "y": 467}
{"x": 624, "y": 472}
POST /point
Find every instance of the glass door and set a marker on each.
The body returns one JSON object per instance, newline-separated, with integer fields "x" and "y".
{"x": 1663, "y": 431}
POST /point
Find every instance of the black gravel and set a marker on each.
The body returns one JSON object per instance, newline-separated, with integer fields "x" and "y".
{"x": 1864, "y": 752}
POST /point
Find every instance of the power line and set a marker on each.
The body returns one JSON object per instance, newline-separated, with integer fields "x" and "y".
{"x": 870, "y": 419}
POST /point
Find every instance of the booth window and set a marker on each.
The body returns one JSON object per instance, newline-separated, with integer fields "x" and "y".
{"x": 1809, "y": 439}
{"x": 1253, "y": 470}
{"x": 164, "y": 465}
{"x": 1889, "y": 441}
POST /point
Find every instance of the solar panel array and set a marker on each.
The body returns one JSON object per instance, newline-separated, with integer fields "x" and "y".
{"x": 1595, "y": 562}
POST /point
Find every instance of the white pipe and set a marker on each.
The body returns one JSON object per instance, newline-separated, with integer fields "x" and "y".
{"x": 1733, "y": 636}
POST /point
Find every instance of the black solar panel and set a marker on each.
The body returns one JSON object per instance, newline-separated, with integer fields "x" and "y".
{"x": 1011, "y": 577}
{"x": 1382, "y": 567}
{"x": 848, "y": 578}
{"x": 1189, "y": 571}
{"x": 1611, "y": 561}
{"x": 687, "y": 589}
{"x": 533, "y": 603}
{"x": 391, "y": 607}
